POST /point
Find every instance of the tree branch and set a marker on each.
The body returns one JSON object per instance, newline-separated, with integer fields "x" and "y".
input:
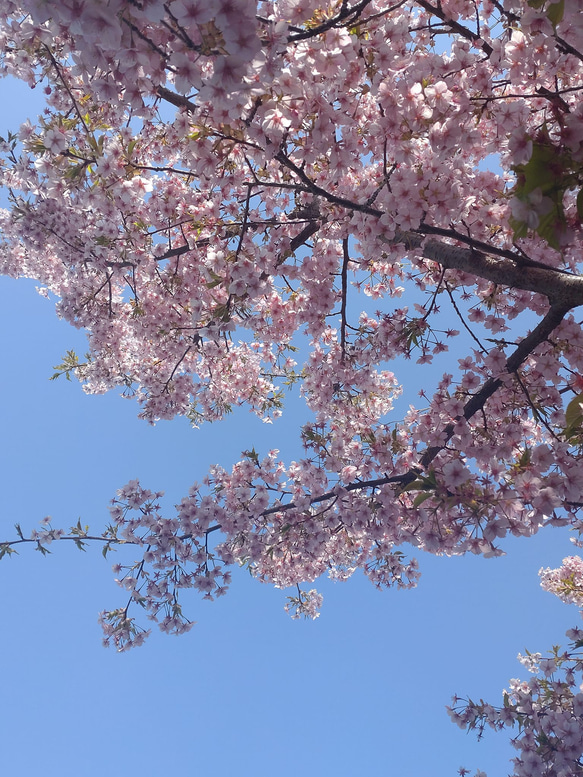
{"x": 473, "y": 37}
{"x": 346, "y": 13}
{"x": 557, "y": 286}
{"x": 538, "y": 335}
{"x": 494, "y": 264}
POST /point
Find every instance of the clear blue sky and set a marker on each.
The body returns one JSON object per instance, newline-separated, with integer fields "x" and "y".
{"x": 248, "y": 691}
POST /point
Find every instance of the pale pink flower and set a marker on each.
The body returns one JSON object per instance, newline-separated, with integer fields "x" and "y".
{"x": 55, "y": 140}
{"x": 455, "y": 473}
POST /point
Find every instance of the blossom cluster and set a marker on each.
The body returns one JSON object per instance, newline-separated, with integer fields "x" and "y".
{"x": 175, "y": 555}
{"x": 210, "y": 188}
{"x": 548, "y": 709}
{"x": 566, "y": 582}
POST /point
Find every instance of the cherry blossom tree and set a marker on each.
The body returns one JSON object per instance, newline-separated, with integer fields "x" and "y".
{"x": 215, "y": 185}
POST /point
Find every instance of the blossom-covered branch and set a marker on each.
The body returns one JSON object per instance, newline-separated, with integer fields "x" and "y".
{"x": 548, "y": 709}
{"x": 210, "y": 184}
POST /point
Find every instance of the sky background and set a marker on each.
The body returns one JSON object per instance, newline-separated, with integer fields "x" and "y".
{"x": 248, "y": 691}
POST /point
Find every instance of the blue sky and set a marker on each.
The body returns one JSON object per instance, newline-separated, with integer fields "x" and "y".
{"x": 248, "y": 691}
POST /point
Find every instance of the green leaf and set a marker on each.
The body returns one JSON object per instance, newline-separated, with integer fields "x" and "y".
{"x": 555, "y": 12}
{"x": 420, "y": 498}
{"x": 68, "y": 365}
{"x": 540, "y": 171}
{"x": 430, "y": 479}
{"x": 574, "y": 420}
{"x": 75, "y": 171}
{"x": 81, "y": 531}
{"x": 213, "y": 284}
{"x": 221, "y": 313}
{"x": 102, "y": 240}
{"x": 574, "y": 413}
{"x": 216, "y": 280}
{"x": 551, "y": 226}
{"x": 415, "y": 485}
{"x": 6, "y": 550}
{"x": 252, "y": 454}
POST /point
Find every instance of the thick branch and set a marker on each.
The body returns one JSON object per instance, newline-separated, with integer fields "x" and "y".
{"x": 538, "y": 335}
{"x": 494, "y": 264}
{"x": 559, "y": 287}
{"x": 473, "y": 37}
{"x": 176, "y": 99}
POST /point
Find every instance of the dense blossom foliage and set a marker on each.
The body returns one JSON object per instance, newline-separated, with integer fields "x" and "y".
{"x": 547, "y": 710}
{"x": 213, "y": 179}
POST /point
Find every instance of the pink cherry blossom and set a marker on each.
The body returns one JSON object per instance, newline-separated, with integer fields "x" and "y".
{"x": 455, "y": 473}
{"x": 240, "y": 198}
